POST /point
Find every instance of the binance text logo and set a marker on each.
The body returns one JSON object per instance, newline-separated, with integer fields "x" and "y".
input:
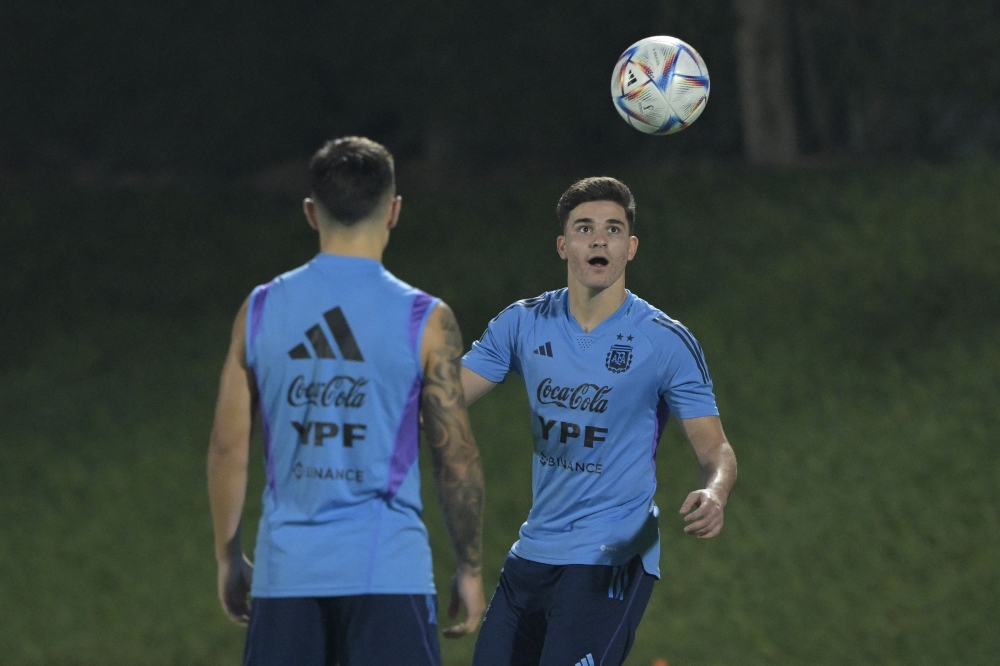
{"x": 342, "y": 336}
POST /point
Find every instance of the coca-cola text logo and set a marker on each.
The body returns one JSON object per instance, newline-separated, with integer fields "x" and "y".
{"x": 340, "y": 391}
{"x": 585, "y": 397}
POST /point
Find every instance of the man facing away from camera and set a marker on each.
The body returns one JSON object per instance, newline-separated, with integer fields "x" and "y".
{"x": 340, "y": 360}
{"x": 604, "y": 369}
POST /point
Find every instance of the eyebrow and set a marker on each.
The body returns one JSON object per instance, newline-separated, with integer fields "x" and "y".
{"x": 587, "y": 220}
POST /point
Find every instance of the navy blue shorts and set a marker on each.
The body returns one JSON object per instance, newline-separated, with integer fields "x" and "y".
{"x": 563, "y": 615}
{"x": 363, "y": 630}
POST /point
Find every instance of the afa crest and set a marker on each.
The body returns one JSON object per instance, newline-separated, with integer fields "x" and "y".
{"x": 619, "y": 358}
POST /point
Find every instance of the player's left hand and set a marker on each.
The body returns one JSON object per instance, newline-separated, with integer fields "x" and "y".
{"x": 705, "y": 521}
{"x": 234, "y": 581}
{"x": 467, "y": 593}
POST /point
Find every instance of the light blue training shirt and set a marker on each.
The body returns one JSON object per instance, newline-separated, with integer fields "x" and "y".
{"x": 334, "y": 347}
{"x": 599, "y": 402}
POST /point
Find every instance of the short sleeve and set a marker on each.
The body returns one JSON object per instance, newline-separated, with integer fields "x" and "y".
{"x": 495, "y": 354}
{"x": 686, "y": 384}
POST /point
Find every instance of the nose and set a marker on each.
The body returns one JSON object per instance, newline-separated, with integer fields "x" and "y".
{"x": 600, "y": 239}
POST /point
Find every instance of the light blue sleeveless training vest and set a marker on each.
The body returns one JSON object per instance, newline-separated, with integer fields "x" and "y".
{"x": 334, "y": 347}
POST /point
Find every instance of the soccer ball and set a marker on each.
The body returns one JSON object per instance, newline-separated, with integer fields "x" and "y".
{"x": 660, "y": 85}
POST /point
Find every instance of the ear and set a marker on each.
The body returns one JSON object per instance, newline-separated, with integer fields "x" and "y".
{"x": 633, "y": 245}
{"x": 309, "y": 208}
{"x": 394, "y": 207}
{"x": 561, "y": 246}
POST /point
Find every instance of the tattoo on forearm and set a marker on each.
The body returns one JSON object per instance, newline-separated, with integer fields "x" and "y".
{"x": 457, "y": 467}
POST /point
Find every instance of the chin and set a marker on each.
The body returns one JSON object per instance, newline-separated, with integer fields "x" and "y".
{"x": 591, "y": 281}
{"x": 598, "y": 284}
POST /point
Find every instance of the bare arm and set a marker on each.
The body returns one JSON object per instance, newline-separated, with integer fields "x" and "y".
{"x": 474, "y": 385}
{"x": 228, "y": 453}
{"x": 717, "y": 463}
{"x": 458, "y": 469}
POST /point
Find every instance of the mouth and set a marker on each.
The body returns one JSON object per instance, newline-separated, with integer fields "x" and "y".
{"x": 598, "y": 261}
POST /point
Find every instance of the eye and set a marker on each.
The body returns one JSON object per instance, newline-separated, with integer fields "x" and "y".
{"x": 615, "y": 230}
{"x": 584, "y": 228}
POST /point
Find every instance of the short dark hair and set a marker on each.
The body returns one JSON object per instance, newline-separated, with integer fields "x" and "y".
{"x": 351, "y": 176}
{"x": 598, "y": 188}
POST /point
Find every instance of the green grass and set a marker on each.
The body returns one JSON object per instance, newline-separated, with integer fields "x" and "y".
{"x": 851, "y": 321}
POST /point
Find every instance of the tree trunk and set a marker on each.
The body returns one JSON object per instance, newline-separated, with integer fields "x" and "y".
{"x": 816, "y": 101}
{"x": 766, "y": 97}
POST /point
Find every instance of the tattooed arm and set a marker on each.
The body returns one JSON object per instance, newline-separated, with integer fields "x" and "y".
{"x": 458, "y": 469}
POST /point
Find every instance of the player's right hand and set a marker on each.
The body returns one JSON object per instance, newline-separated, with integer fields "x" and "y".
{"x": 466, "y": 593}
{"x": 235, "y": 577}
{"x": 704, "y": 514}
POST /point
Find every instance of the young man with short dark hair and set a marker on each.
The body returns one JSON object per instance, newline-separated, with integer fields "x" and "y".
{"x": 340, "y": 359}
{"x": 604, "y": 369}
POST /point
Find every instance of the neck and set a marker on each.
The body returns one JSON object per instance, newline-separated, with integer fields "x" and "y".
{"x": 590, "y": 306}
{"x": 361, "y": 241}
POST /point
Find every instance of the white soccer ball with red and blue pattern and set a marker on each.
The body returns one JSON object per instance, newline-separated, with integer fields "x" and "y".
{"x": 660, "y": 85}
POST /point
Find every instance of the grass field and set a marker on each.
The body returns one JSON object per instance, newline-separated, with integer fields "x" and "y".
{"x": 851, "y": 320}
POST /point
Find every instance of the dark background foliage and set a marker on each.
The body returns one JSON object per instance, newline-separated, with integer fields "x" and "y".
{"x": 216, "y": 87}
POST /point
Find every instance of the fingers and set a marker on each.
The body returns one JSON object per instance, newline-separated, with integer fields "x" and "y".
{"x": 705, "y": 522}
{"x": 706, "y": 528}
{"x": 237, "y": 606}
{"x": 467, "y": 593}
{"x": 472, "y": 618}
{"x": 235, "y": 580}
{"x": 692, "y": 499}
{"x": 459, "y": 630}
{"x": 238, "y": 612}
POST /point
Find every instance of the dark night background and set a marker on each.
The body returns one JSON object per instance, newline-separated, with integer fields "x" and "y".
{"x": 104, "y": 88}
{"x": 829, "y": 229}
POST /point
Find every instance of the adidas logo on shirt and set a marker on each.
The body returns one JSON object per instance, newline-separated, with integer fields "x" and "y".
{"x": 544, "y": 350}
{"x": 342, "y": 335}
{"x": 586, "y": 661}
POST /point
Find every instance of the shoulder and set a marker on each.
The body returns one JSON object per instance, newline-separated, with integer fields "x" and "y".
{"x": 674, "y": 344}
{"x": 292, "y": 276}
{"x": 404, "y": 289}
{"x": 282, "y": 289}
{"x": 279, "y": 288}
{"x": 542, "y": 306}
{"x": 441, "y": 331}
{"x": 662, "y": 330}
